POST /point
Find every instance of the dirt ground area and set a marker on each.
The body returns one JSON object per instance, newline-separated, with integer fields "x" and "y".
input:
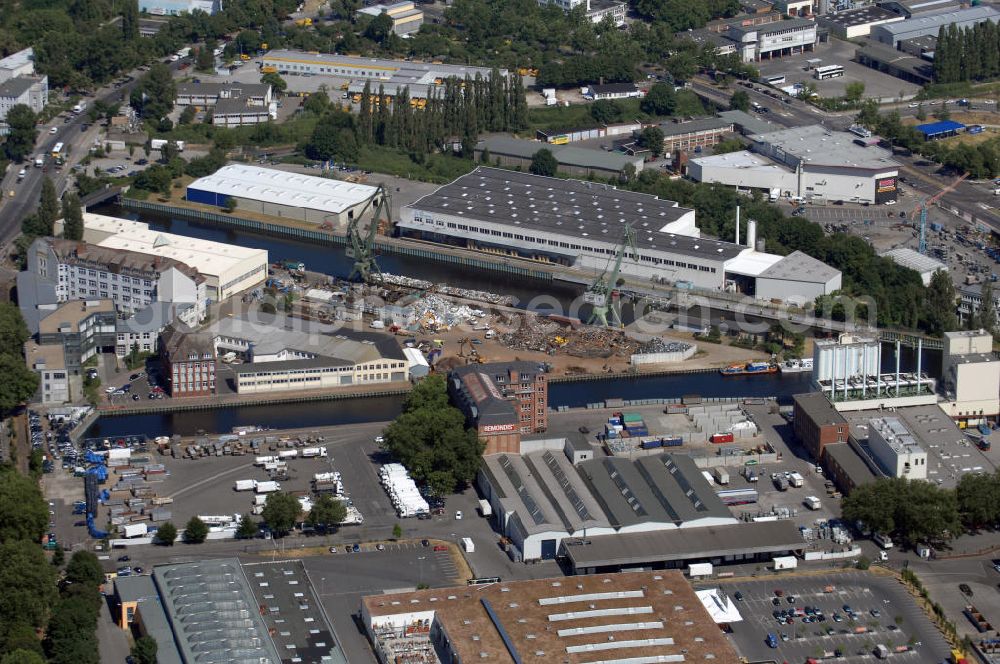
{"x": 589, "y": 351}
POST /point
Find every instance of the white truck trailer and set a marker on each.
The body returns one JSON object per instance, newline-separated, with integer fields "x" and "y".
{"x": 131, "y": 530}
{"x": 245, "y": 485}
{"x": 267, "y": 487}
{"x": 314, "y": 452}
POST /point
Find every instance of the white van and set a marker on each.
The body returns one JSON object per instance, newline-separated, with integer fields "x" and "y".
{"x": 882, "y": 540}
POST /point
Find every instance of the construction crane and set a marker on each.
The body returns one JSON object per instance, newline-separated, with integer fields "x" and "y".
{"x": 361, "y": 243}
{"x": 926, "y": 203}
{"x": 600, "y": 294}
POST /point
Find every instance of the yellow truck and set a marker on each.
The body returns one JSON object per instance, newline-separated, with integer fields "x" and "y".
{"x": 304, "y": 22}
{"x": 269, "y": 69}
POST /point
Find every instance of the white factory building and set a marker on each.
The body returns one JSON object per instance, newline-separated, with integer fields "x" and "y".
{"x": 805, "y": 163}
{"x": 848, "y": 371}
{"x": 286, "y": 354}
{"x": 283, "y": 194}
{"x": 970, "y": 376}
{"x": 923, "y": 265}
{"x": 896, "y": 449}
{"x": 228, "y": 269}
{"x": 556, "y": 488}
{"x": 581, "y": 224}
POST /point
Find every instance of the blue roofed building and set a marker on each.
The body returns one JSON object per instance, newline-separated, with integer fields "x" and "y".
{"x": 933, "y": 131}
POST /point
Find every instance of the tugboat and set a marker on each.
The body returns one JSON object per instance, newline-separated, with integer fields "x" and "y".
{"x": 804, "y": 365}
{"x": 748, "y": 369}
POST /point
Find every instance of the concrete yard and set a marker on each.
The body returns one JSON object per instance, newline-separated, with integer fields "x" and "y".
{"x": 899, "y": 622}
{"x": 877, "y": 84}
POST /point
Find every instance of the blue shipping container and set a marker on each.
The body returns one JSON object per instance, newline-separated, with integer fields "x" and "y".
{"x": 651, "y": 444}
{"x": 673, "y": 442}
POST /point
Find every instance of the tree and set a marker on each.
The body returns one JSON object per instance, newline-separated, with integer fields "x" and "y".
{"x": 130, "y": 20}
{"x": 854, "y": 91}
{"x": 144, "y": 650}
{"x": 606, "y": 111}
{"x": 247, "y": 528}
{"x": 28, "y": 582}
{"x": 48, "y": 206}
{"x": 939, "y": 305}
{"x": 942, "y": 113}
{"x": 22, "y": 133}
{"x": 166, "y": 534}
{"x": 13, "y": 334}
{"x": 318, "y": 102}
{"x": 978, "y": 497}
{"x": 205, "y": 60}
{"x": 71, "y": 630}
{"x": 85, "y": 569}
{"x": 430, "y": 438}
{"x": 728, "y": 145}
{"x": 986, "y": 316}
{"x": 19, "y": 383}
{"x": 544, "y": 163}
{"x": 21, "y": 656}
{"x": 397, "y": 531}
{"x": 153, "y": 98}
{"x": 740, "y": 101}
{"x": 278, "y": 84}
{"x": 327, "y": 512}
{"x": 229, "y": 204}
{"x": 484, "y": 156}
{"x": 651, "y": 138}
{"x": 72, "y": 217}
{"x": 379, "y": 28}
{"x": 281, "y": 511}
{"x": 921, "y": 113}
{"x": 660, "y": 100}
{"x": 196, "y": 531}
{"x": 911, "y": 510}
{"x": 23, "y": 512}
{"x": 187, "y": 116}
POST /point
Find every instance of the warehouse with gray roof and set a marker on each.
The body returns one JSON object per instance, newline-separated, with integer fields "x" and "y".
{"x": 585, "y": 162}
{"x": 581, "y": 224}
{"x": 543, "y": 496}
{"x": 892, "y": 33}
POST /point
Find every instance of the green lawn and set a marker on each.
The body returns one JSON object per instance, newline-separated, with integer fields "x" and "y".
{"x": 438, "y": 168}
{"x": 577, "y": 116}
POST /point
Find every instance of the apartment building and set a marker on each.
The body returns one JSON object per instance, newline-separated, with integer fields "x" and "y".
{"x": 188, "y": 361}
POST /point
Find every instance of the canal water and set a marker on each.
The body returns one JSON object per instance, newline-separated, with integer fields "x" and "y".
{"x": 332, "y": 261}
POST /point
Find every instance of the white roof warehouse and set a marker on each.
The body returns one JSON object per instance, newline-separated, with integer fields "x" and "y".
{"x": 228, "y": 268}
{"x": 282, "y": 194}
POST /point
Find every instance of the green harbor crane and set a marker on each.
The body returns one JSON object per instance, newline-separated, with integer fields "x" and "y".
{"x": 601, "y": 294}
{"x": 361, "y": 241}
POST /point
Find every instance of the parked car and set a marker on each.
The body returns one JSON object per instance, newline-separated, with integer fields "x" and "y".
{"x": 966, "y": 590}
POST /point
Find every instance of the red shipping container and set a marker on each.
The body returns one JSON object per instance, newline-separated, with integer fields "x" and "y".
{"x": 722, "y": 438}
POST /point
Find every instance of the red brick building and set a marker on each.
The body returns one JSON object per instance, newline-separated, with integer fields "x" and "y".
{"x": 502, "y": 401}
{"x": 188, "y": 362}
{"x": 817, "y": 423}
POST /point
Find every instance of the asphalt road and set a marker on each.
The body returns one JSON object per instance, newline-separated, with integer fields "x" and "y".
{"x": 14, "y": 209}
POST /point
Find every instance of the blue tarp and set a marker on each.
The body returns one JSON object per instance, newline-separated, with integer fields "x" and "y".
{"x": 932, "y": 129}
{"x": 92, "y": 529}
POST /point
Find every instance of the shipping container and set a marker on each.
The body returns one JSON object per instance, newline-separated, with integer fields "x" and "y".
{"x": 651, "y": 444}
{"x": 485, "y": 508}
{"x": 700, "y": 569}
{"x": 721, "y": 438}
{"x": 785, "y": 562}
{"x": 675, "y": 441}
{"x": 134, "y": 530}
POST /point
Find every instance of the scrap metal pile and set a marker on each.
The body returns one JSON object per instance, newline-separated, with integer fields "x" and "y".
{"x": 533, "y": 333}
{"x": 658, "y": 345}
{"x": 436, "y": 313}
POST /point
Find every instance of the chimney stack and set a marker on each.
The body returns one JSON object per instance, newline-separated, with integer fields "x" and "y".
{"x": 752, "y": 233}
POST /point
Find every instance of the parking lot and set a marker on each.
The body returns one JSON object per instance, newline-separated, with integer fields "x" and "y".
{"x": 842, "y": 614}
{"x": 835, "y": 52}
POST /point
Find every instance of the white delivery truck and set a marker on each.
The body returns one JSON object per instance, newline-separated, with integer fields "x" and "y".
{"x": 245, "y": 485}
{"x": 39, "y": 161}
{"x": 131, "y": 530}
{"x": 485, "y": 508}
{"x": 468, "y": 545}
{"x": 288, "y": 454}
{"x": 812, "y": 502}
{"x": 267, "y": 487}
{"x": 796, "y": 480}
{"x": 312, "y": 452}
